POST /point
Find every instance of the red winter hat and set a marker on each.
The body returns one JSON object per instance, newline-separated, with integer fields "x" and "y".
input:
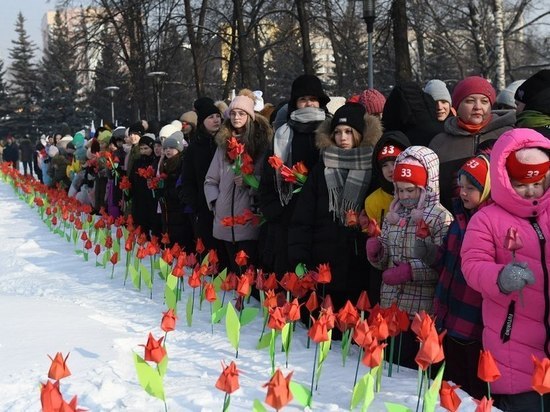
{"x": 410, "y": 173}
{"x": 528, "y": 172}
{"x": 475, "y": 170}
{"x": 373, "y": 101}
{"x": 473, "y": 85}
{"x": 388, "y": 152}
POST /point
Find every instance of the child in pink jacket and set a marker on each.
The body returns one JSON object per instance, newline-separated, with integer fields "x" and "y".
{"x": 506, "y": 257}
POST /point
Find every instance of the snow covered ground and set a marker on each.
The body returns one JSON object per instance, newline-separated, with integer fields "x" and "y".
{"x": 51, "y": 301}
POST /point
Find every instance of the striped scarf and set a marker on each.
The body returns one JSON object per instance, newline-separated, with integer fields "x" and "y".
{"x": 347, "y": 173}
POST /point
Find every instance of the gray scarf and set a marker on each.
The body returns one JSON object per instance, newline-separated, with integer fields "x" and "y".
{"x": 282, "y": 146}
{"x": 347, "y": 173}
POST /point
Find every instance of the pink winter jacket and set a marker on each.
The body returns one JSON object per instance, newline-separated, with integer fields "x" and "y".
{"x": 484, "y": 256}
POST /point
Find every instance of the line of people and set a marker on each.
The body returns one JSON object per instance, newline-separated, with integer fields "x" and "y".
{"x": 441, "y": 177}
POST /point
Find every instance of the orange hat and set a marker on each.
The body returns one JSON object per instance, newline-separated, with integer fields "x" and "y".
{"x": 526, "y": 172}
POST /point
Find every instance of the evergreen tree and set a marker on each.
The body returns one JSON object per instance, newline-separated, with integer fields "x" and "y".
{"x": 23, "y": 87}
{"x": 59, "y": 85}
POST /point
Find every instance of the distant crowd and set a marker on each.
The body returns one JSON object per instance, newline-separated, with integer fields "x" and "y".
{"x": 431, "y": 199}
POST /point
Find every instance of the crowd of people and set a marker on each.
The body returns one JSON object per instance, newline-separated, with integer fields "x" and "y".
{"x": 431, "y": 200}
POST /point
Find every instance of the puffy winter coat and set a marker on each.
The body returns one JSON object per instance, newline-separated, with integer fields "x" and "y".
{"x": 398, "y": 241}
{"x": 223, "y": 196}
{"x": 484, "y": 255}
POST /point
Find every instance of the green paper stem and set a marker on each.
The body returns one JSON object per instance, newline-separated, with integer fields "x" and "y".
{"x": 399, "y": 351}
{"x": 392, "y": 347}
{"x": 488, "y": 390}
{"x": 310, "y": 398}
{"x": 357, "y": 366}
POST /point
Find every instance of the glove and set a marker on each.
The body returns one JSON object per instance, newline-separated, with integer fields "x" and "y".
{"x": 425, "y": 251}
{"x": 514, "y": 276}
{"x": 398, "y": 274}
{"x": 374, "y": 249}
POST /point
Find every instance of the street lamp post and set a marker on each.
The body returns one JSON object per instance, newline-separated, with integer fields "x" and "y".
{"x": 157, "y": 79}
{"x": 112, "y": 90}
{"x": 369, "y": 16}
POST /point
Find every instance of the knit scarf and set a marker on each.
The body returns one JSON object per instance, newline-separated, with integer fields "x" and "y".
{"x": 532, "y": 119}
{"x": 282, "y": 145}
{"x": 473, "y": 128}
{"x": 347, "y": 173}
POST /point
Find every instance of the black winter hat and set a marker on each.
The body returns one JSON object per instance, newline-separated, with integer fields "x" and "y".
{"x": 535, "y": 92}
{"x": 204, "y": 106}
{"x": 307, "y": 85}
{"x": 147, "y": 141}
{"x": 351, "y": 114}
{"x": 136, "y": 128}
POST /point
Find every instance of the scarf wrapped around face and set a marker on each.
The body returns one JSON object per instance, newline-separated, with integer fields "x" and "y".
{"x": 347, "y": 173}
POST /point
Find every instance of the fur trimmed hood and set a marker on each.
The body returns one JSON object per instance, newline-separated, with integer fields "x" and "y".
{"x": 263, "y": 135}
{"x": 371, "y": 134}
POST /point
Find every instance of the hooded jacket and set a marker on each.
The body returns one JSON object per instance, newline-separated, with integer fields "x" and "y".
{"x": 315, "y": 236}
{"x": 455, "y": 145}
{"x": 484, "y": 255}
{"x": 223, "y": 196}
{"x": 398, "y": 241}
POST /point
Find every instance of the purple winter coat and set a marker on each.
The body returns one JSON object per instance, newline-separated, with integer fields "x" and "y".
{"x": 484, "y": 256}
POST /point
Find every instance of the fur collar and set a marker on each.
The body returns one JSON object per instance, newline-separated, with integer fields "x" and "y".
{"x": 371, "y": 134}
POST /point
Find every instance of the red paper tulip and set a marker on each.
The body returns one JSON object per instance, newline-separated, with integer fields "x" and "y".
{"x": 541, "y": 375}
{"x": 84, "y": 236}
{"x": 347, "y": 316}
{"x": 289, "y": 281}
{"x": 270, "y": 282}
{"x": 199, "y": 248}
{"x": 448, "y": 397}
{"x": 58, "y": 369}
{"x": 168, "y": 322}
{"x": 154, "y": 351}
{"x": 363, "y": 302}
{"x": 97, "y": 249}
{"x": 512, "y": 241}
{"x": 373, "y": 230}
{"x": 228, "y": 381}
{"x": 319, "y": 331}
{"x": 292, "y": 310}
{"x": 278, "y": 390}
{"x": 487, "y": 369}
{"x": 210, "y": 293}
{"x": 431, "y": 350}
{"x": 312, "y": 302}
{"x": 373, "y": 354}
{"x": 243, "y": 286}
{"x": 421, "y": 325}
{"x": 277, "y": 319}
{"x": 114, "y": 258}
{"x": 275, "y": 162}
{"x": 362, "y": 334}
{"x": 195, "y": 279}
{"x": 241, "y": 258}
{"x": 379, "y": 327}
{"x": 352, "y": 218}
{"x": 50, "y": 397}
{"x": 324, "y": 273}
{"x": 422, "y": 229}
{"x": 484, "y": 405}
{"x": 230, "y": 282}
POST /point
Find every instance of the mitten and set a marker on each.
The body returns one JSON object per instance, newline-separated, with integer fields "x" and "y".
{"x": 374, "y": 249}
{"x": 398, "y": 274}
{"x": 425, "y": 251}
{"x": 514, "y": 276}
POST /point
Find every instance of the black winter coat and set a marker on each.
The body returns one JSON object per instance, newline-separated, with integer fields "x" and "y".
{"x": 196, "y": 161}
{"x": 274, "y": 236}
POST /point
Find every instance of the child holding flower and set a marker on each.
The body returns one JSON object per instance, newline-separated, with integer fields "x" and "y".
{"x": 242, "y": 141}
{"x": 505, "y": 257}
{"x": 408, "y": 281}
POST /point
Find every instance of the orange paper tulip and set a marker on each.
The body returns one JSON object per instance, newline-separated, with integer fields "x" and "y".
{"x": 373, "y": 354}
{"x": 541, "y": 375}
{"x": 154, "y": 351}
{"x": 431, "y": 350}
{"x": 487, "y": 369}
{"x": 363, "y": 302}
{"x": 228, "y": 381}
{"x": 241, "y": 258}
{"x": 292, "y": 310}
{"x": 422, "y": 325}
{"x": 58, "y": 369}
{"x": 347, "y": 316}
{"x": 277, "y": 319}
{"x": 449, "y": 399}
{"x": 243, "y": 286}
{"x": 200, "y": 246}
{"x": 278, "y": 390}
{"x": 168, "y": 322}
{"x": 318, "y": 331}
{"x": 312, "y": 302}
